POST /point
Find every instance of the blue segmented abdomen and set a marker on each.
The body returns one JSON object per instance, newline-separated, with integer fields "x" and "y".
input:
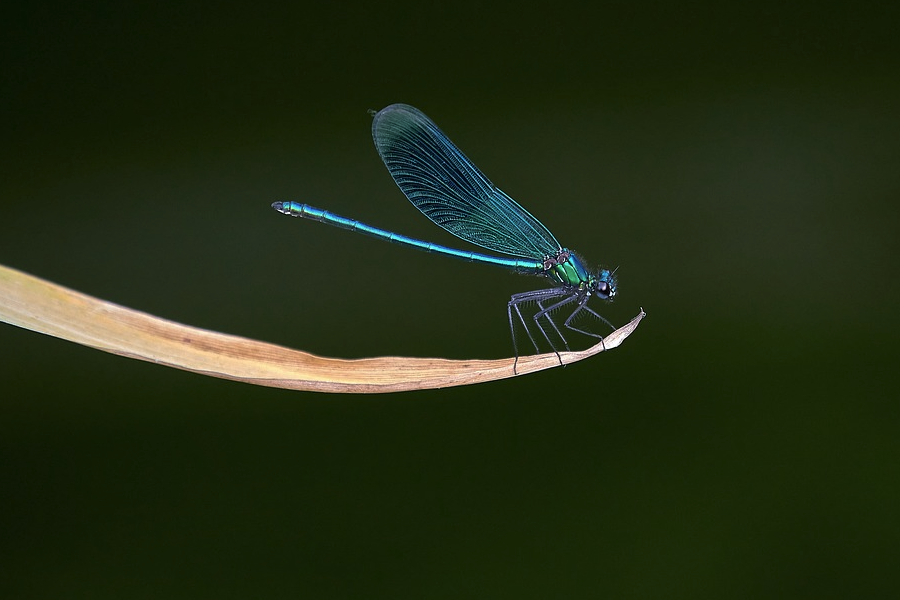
{"x": 305, "y": 211}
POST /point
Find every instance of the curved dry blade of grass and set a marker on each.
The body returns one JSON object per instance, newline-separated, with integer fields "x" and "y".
{"x": 38, "y": 305}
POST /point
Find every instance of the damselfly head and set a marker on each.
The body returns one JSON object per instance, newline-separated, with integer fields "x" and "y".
{"x": 605, "y": 284}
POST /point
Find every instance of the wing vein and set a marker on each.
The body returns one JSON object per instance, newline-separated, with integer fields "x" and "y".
{"x": 448, "y": 189}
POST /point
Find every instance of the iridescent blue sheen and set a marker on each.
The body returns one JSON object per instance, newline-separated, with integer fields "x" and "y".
{"x": 442, "y": 183}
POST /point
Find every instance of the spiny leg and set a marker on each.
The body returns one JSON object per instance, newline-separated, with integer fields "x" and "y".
{"x": 598, "y": 315}
{"x": 537, "y": 296}
{"x": 583, "y": 306}
{"x": 540, "y": 305}
{"x": 509, "y": 308}
{"x": 545, "y": 313}
{"x": 512, "y": 330}
{"x": 544, "y": 332}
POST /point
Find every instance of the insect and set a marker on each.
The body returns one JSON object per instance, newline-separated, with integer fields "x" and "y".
{"x": 448, "y": 189}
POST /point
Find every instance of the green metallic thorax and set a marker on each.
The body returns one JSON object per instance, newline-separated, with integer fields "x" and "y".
{"x": 565, "y": 268}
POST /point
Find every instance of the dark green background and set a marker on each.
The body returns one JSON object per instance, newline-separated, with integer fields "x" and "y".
{"x": 737, "y": 161}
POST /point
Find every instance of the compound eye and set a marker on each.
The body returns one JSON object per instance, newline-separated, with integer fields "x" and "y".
{"x": 603, "y": 289}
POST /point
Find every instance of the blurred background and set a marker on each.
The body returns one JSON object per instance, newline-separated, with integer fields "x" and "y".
{"x": 737, "y": 161}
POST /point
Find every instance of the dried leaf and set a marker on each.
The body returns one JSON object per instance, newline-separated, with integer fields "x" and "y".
{"x": 32, "y": 303}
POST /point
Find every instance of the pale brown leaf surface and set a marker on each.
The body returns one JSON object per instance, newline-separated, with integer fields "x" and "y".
{"x": 32, "y": 303}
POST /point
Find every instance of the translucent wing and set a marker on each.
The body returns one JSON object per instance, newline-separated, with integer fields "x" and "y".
{"x": 442, "y": 183}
